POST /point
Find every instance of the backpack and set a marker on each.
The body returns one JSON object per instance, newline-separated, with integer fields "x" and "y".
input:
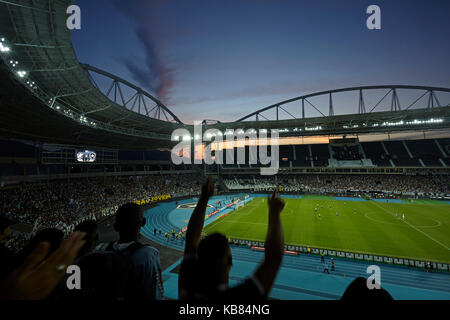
{"x": 107, "y": 274}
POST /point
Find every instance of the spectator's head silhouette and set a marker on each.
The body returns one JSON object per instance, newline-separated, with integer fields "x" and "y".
{"x": 129, "y": 220}
{"x": 214, "y": 256}
{"x": 358, "y": 290}
{"x": 91, "y": 229}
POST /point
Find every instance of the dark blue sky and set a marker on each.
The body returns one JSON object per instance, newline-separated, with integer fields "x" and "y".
{"x": 222, "y": 59}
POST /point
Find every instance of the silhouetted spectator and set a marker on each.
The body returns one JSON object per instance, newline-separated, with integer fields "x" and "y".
{"x": 129, "y": 220}
{"x": 206, "y": 264}
{"x": 358, "y": 290}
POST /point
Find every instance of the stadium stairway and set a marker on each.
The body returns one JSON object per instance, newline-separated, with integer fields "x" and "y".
{"x": 301, "y": 276}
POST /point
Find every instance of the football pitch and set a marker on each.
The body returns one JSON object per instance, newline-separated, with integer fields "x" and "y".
{"x": 360, "y": 226}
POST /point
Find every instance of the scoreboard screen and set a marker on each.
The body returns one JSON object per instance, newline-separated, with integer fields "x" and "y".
{"x": 86, "y": 156}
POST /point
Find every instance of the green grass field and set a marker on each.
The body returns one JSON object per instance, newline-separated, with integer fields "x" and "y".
{"x": 373, "y": 228}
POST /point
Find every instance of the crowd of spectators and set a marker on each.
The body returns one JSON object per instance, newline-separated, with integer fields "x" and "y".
{"x": 56, "y": 204}
{"x": 392, "y": 183}
{"x": 16, "y": 241}
{"x": 435, "y": 184}
{"x": 59, "y": 204}
{"x": 128, "y": 270}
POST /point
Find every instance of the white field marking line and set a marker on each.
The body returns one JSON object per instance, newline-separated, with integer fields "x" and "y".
{"x": 237, "y": 221}
{"x": 438, "y": 225}
{"x": 215, "y": 223}
{"x": 379, "y": 221}
{"x": 397, "y": 224}
{"x": 443, "y": 245}
{"x": 250, "y": 211}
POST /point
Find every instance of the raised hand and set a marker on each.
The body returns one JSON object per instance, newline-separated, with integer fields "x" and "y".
{"x": 274, "y": 246}
{"x": 195, "y": 225}
{"x": 36, "y": 278}
{"x": 208, "y": 188}
{"x": 276, "y": 205}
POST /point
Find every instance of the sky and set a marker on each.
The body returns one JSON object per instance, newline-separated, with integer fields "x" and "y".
{"x": 223, "y": 59}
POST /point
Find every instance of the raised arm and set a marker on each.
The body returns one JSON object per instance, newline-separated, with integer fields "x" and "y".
{"x": 195, "y": 225}
{"x": 267, "y": 271}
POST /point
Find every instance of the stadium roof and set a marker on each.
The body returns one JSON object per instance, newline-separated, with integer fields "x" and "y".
{"x": 377, "y": 122}
{"x": 49, "y": 96}
{"x": 39, "y": 41}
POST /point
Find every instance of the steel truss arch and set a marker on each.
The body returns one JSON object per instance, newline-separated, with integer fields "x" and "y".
{"x": 433, "y": 101}
{"x": 137, "y": 100}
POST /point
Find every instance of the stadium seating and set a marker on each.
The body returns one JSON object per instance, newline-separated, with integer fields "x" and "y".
{"x": 346, "y": 153}
{"x": 426, "y": 150}
{"x": 21, "y": 159}
{"x": 246, "y": 163}
{"x": 249, "y": 183}
{"x": 446, "y": 161}
{"x": 445, "y": 144}
{"x": 144, "y": 155}
{"x": 398, "y": 183}
{"x": 375, "y": 151}
{"x": 61, "y": 203}
{"x": 399, "y": 154}
{"x": 302, "y": 157}
{"x": 320, "y": 155}
{"x": 286, "y": 156}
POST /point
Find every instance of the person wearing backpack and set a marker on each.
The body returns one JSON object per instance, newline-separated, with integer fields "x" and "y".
{"x": 146, "y": 259}
{"x": 122, "y": 270}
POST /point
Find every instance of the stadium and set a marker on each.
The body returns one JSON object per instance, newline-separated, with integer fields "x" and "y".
{"x": 369, "y": 187}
